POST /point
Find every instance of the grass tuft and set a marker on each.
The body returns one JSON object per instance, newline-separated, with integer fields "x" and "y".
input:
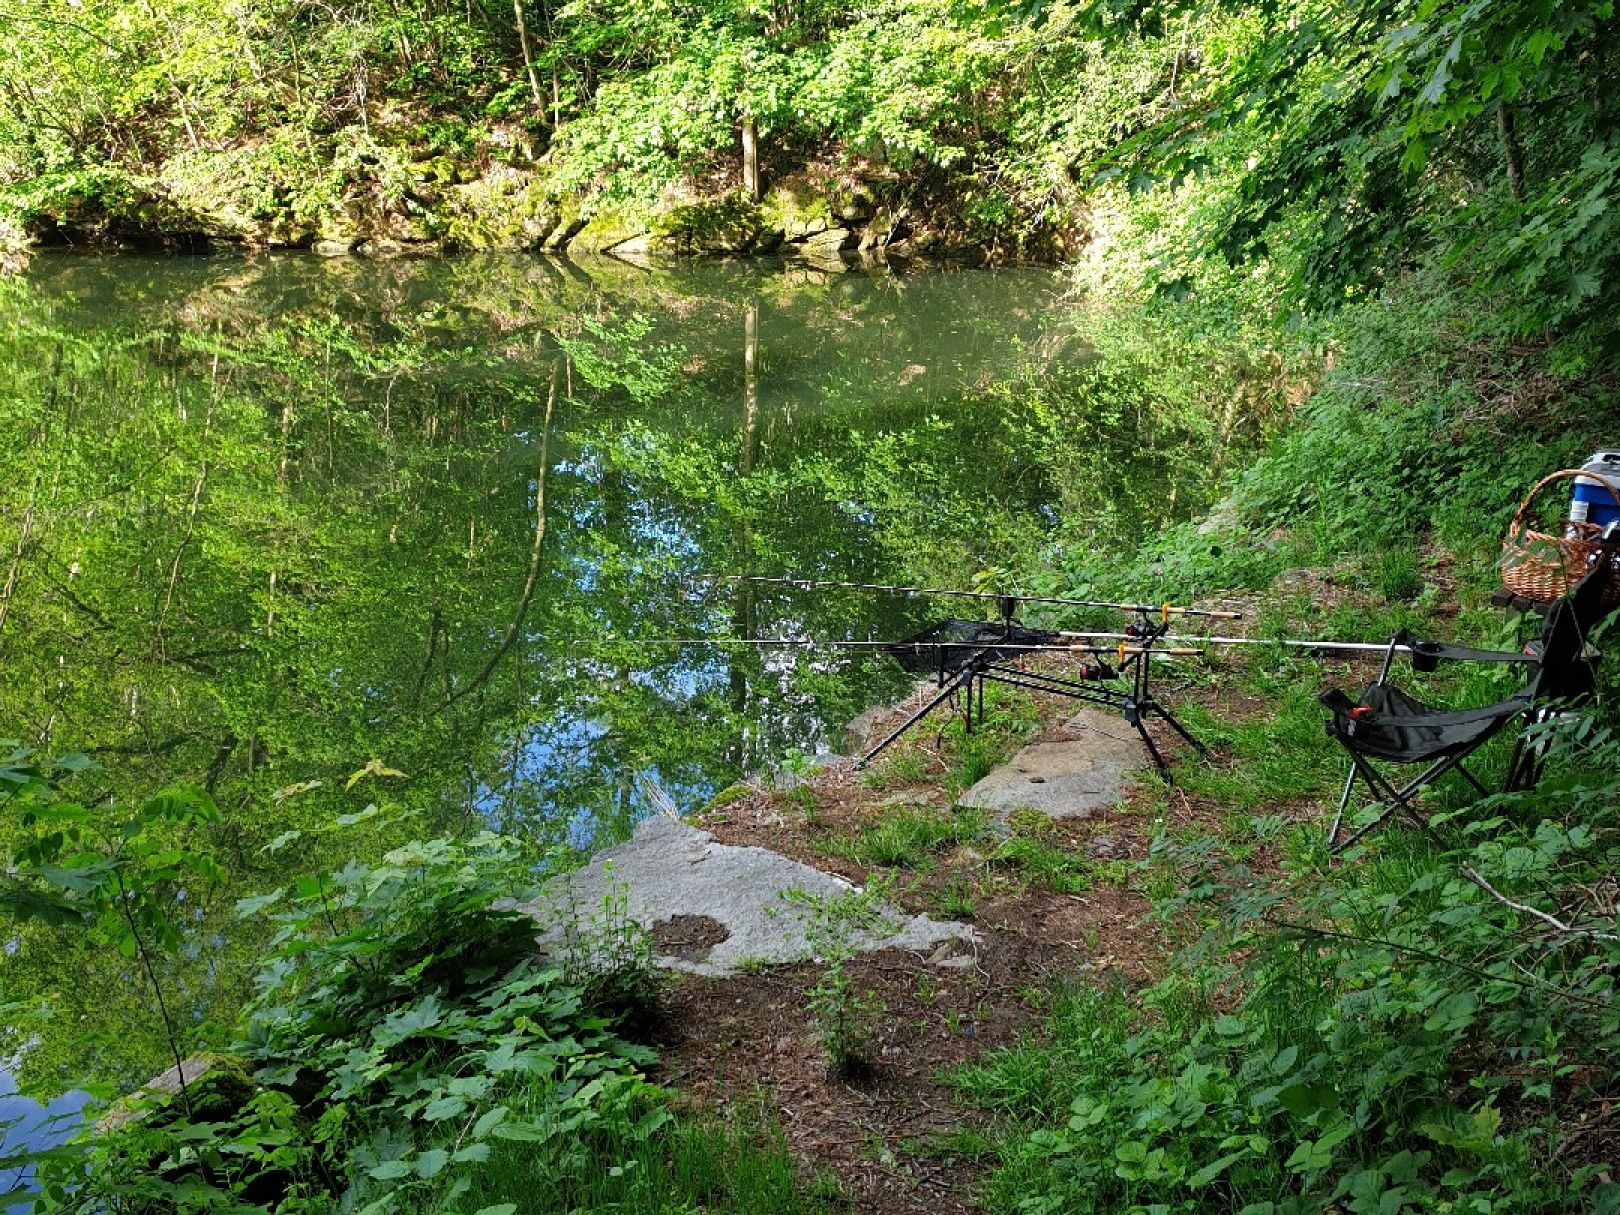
{"x": 906, "y": 837}
{"x": 739, "y": 1164}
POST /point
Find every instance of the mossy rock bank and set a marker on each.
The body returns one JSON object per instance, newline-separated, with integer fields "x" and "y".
{"x": 104, "y": 209}
{"x": 386, "y": 204}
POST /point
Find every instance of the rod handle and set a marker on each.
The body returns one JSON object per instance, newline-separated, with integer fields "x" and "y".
{"x": 1124, "y": 651}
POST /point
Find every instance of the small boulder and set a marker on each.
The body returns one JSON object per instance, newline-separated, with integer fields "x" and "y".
{"x": 670, "y": 871}
{"x": 798, "y": 228}
{"x": 1071, "y": 779}
{"x": 830, "y": 240}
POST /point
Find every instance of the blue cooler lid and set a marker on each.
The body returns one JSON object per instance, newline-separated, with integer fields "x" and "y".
{"x": 1605, "y": 464}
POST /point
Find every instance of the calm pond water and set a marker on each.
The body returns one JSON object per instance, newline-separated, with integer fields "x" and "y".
{"x": 287, "y": 513}
{"x": 267, "y": 521}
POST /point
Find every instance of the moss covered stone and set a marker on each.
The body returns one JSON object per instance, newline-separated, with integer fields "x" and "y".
{"x": 506, "y": 209}
{"x": 605, "y": 230}
{"x": 726, "y": 225}
{"x": 730, "y": 795}
{"x": 797, "y": 211}
{"x": 216, "y": 1085}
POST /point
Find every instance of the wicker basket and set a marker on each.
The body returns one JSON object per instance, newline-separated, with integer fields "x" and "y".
{"x": 1542, "y": 567}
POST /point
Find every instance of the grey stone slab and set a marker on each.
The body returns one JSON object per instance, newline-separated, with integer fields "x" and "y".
{"x": 1067, "y": 779}
{"x": 669, "y": 868}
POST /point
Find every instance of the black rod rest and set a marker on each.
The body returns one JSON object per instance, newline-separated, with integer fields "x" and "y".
{"x": 968, "y": 672}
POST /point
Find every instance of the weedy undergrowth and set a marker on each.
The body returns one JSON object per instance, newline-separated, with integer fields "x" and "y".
{"x": 608, "y": 956}
{"x": 1425, "y": 1027}
{"x": 845, "y": 1017}
{"x": 907, "y": 837}
{"x": 403, "y": 1027}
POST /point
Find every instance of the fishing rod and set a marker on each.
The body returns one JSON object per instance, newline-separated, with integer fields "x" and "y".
{"x": 1124, "y": 650}
{"x": 1416, "y": 646}
{"x": 1165, "y": 610}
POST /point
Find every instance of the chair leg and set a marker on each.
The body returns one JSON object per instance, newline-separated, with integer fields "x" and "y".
{"x": 1381, "y": 790}
{"x": 1529, "y": 771}
{"x": 1524, "y": 769}
{"x": 1392, "y": 799}
{"x": 1350, "y": 776}
{"x": 1344, "y": 804}
{"x": 1473, "y": 780}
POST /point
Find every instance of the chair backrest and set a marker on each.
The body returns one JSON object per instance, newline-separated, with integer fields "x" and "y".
{"x": 1566, "y": 671}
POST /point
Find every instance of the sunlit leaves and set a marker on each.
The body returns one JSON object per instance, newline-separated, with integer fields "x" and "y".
{"x": 1362, "y": 139}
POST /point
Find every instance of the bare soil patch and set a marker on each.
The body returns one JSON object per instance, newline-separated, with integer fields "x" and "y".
{"x": 887, "y": 1137}
{"x": 688, "y": 936}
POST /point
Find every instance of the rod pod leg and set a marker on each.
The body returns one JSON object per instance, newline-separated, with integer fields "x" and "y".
{"x": 945, "y": 692}
{"x": 1175, "y": 724}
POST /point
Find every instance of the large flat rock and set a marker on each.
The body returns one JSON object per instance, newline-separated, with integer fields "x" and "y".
{"x": 1070, "y": 778}
{"x": 674, "y": 875}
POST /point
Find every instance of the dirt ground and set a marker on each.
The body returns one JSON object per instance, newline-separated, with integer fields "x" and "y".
{"x": 886, "y": 1135}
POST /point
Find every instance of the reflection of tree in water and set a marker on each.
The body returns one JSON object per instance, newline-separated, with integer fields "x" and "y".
{"x": 268, "y": 520}
{"x": 743, "y": 622}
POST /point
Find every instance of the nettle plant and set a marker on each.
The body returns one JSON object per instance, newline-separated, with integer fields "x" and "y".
{"x": 406, "y": 1007}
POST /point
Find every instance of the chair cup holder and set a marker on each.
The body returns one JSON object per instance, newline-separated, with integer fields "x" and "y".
{"x": 1425, "y": 655}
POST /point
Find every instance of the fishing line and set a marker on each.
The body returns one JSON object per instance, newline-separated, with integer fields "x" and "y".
{"x": 811, "y": 584}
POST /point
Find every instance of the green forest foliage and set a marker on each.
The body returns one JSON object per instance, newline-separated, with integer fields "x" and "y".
{"x": 1326, "y": 145}
{"x": 1423, "y": 191}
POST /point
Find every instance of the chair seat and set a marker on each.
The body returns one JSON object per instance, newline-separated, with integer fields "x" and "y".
{"x": 1388, "y": 724}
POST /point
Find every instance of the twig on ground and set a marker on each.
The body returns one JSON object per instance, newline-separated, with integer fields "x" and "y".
{"x": 1551, "y": 921}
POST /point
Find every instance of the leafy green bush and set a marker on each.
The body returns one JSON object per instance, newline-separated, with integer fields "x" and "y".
{"x": 607, "y": 956}
{"x": 1432, "y": 423}
{"x": 403, "y": 1027}
{"x": 1419, "y": 1029}
{"x": 1429, "y": 423}
{"x": 844, "y": 1017}
{"x": 407, "y": 1050}
{"x": 738, "y": 1162}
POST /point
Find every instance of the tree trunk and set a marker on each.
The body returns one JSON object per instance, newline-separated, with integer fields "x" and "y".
{"x": 743, "y": 622}
{"x": 528, "y": 54}
{"x": 750, "y": 159}
{"x": 745, "y": 461}
{"x": 1512, "y": 153}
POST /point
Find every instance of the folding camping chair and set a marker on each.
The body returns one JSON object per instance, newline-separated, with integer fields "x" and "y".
{"x": 1388, "y": 725}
